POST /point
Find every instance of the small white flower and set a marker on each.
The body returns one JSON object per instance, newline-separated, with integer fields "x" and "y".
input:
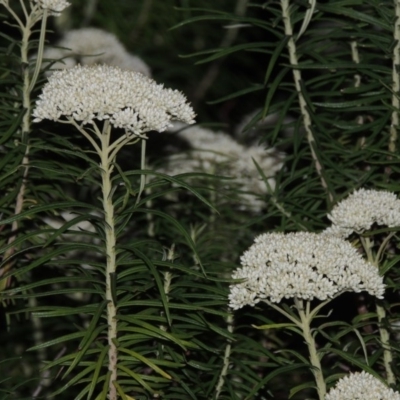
{"x": 361, "y": 386}
{"x": 304, "y": 265}
{"x": 55, "y": 7}
{"x": 362, "y": 209}
{"x": 128, "y": 99}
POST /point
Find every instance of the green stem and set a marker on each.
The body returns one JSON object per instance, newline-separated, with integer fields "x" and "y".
{"x": 111, "y": 267}
{"x": 314, "y": 359}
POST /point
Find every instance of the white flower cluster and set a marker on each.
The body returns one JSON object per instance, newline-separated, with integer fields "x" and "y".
{"x": 55, "y": 7}
{"x": 304, "y": 265}
{"x": 363, "y": 208}
{"x": 361, "y": 386}
{"x": 128, "y": 99}
{"x": 90, "y": 46}
{"x": 218, "y": 153}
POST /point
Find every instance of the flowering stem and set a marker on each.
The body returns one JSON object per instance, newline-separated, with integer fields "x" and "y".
{"x": 109, "y": 228}
{"x": 225, "y": 366}
{"x": 381, "y": 311}
{"x": 169, "y": 255}
{"x": 302, "y": 102}
{"x": 305, "y": 319}
{"x": 387, "y": 350}
{"x": 27, "y": 86}
{"x": 142, "y": 167}
{"x": 356, "y": 58}
{"x": 394, "y": 126}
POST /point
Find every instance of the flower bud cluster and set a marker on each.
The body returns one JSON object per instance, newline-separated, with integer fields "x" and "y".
{"x": 361, "y": 386}
{"x": 362, "y": 209}
{"x": 129, "y": 100}
{"x": 55, "y": 7}
{"x": 304, "y": 265}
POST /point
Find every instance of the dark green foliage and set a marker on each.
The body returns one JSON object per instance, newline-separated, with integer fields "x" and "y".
{"x": 175, "y": 258}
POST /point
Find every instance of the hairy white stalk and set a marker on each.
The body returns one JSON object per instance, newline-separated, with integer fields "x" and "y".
{"x": 111, "y": 264}
{"x": 303, "y": 322}
{"x": 381, "y": 312}
{"x": 356, "y": 59}
{"x": 394, "y": 126}
{"x": 306, "y": 318}
{"x": 302, "y": 102}
{"x": 26, "y": 125}
{"x": 225, "y": 365}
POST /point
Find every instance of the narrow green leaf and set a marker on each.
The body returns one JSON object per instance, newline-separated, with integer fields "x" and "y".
{"x": 146, "y": 361}
{"x": 95, "y": 378}
{"x": 274, "y": 326}
{"x": 301, "y": 387}
{"x": 104, "y": 392}
{"x": 307, "y": 18}
{"x": 61, "y": 339}
{"x": 136, "y": 377}
{"x": 252, "y": 89}
{"x": 274, "y": 58}
{"x": 75, "y": 379}
{"x": 119, "y": 390}
{"x": 88, "y": 339}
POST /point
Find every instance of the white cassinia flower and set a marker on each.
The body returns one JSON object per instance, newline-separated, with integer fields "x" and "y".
{"x": 361, "y": 386}
{"x": 55, "y": 7}
{"x": 128, "y": 99}
{"x": 218, "y": 153}
{"x": 90, "y": 46}
{"x": 363, "y": 208}
{"x": 304, "y": 265}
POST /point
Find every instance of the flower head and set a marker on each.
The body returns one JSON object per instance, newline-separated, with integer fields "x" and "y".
{"x": 128, "y": 99}
{"x": 304, "y": 265}
{"x": 55, "y": 7}
{"x": 361, "y": 386}
{"x": 218, "y": 153}
{"x": 363, "y": 208}
{"x": 90, "y": 46}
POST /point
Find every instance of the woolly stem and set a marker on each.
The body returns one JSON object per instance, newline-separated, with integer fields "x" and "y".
{"x": 169, "y": 255}
{"x": 25, "y": 128}
{"x": 302, "y": 102}
{"x": 305, "y": 319}
{"x": 142, "y": 167}
{"x": 381, "y": 312}
{"x": 387, "y": 350}
{"x": 356, "y": 58}
{"x": 111, "y": 266}
{"x": 225, "y": 365}
{"x": 394, "y": 126}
